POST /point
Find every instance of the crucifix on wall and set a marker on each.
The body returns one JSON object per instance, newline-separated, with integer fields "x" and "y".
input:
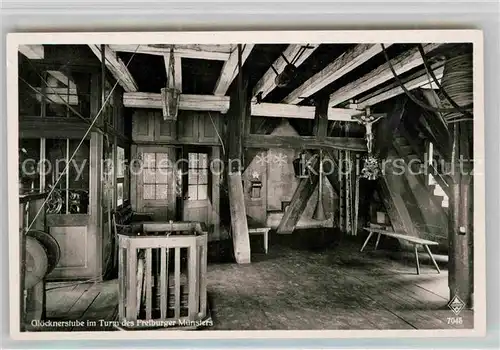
{"x": 370, "y": 169}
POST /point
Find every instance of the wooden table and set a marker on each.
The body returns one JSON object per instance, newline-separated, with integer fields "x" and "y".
{"x": 414, "y": 240}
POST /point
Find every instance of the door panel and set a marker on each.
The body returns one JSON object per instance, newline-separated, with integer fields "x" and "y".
{"x": 156, "y": 181}
{"x": 196, "y": 186}
{"x": 76, "y": 236}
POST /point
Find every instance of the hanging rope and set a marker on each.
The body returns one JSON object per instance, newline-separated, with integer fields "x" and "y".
{"x": 172, "y": 67}
{"x": 77, "y": 147}
{"x": 407, "y": 92}
{"x": 459, "y": 67}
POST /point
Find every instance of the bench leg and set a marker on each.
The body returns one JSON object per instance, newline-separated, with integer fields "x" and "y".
{"x": 378, "y": 239}
{"x": 366, "y": 242}
{"x": 432, "y": 258}
{"x": 416, "y": 259}
{"x": 266, "y": 242}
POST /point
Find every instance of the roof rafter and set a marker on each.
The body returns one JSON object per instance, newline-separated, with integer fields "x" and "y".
{"x": 116, "y": 67}
{"x": 419, "y": 79}
{"x": 198, "y": 51}
{"x": 341, "y": 66}
{"x": 402, "y": 63}
{"x": 297, "y": 52}
{"x": 230, "y": 69}
{"x": 34, "y": 52}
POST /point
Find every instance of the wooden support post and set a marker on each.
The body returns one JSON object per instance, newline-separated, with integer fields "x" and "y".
{"x": 341, "y": 192}
{"x": 216, "y": 184}
{"x": 461, "y": 215}
{"x": 238, "y": 110}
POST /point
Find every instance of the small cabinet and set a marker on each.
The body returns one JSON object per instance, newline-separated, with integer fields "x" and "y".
{"x": 198, "y": 127}
{"x": 149, "y": 125}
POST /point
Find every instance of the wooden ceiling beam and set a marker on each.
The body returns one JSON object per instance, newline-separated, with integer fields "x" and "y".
{"x": 402, "y": 63}
{"x": 230, "y": 69}
{"x": 34, "y": 52}
{"x": 197, "y": 51}
{"x": 417, "y": 80}
{"x": 116, "y": 67}
{"x": 221, "y": 104}
{"x": 187, "y": 102}
{"x": 338, "y": 68}
{"x": 267, "y": 83}
{"x": 304, "y": 142}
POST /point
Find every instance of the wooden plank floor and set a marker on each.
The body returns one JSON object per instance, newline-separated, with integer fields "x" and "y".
{"x": 295, "y": 288}
{"x": 337, "y": 288}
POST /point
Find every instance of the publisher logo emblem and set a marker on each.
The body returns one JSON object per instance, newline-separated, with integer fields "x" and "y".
{"x": 456, "y": 305}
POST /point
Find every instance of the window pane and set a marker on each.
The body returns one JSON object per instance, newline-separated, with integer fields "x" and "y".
{"x": 202, "y": 192}
{"x": 193, "y": 160}
{"x": 148, "y": 176}
{"x": 56, "y": 161}
{"x": 79, "y": 177}
{"x": 162, "y": 176}
{"x": 161, "y": 192}
{"x": 203, "y": 176}
{"x": 29, "y": 160}
{"x": 192, "y": 176}
{"x": 149, "y": 160}
{"x": 120, "y": 161}
{"x": 193, "y": 192}
{"x": 149, "y": 192}
{"x": 202, "y": 160}
{"x": 162, "y": 160}
{"x": 119, "y": 194}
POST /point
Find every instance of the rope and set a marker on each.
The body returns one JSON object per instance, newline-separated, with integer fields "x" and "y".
{"x": 408, "y": 93}
{"x": 457, "y": 85}
{"x": 459, "y": 69}
{"x": 172, "y": 67}
{"x": 77, "y": 147}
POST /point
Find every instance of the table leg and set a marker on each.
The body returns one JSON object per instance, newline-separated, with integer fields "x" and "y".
{"x": 416, "y": 259}
{"x": 432, "y": 258}
{"x": 366, "y": 242}
{"x": 378, "y": 239}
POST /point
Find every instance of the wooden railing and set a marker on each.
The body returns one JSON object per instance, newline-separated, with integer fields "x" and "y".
{"x": 162, "y": 275}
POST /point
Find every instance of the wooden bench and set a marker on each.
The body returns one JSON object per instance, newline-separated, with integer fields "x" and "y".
{"x": 414, "y": 240}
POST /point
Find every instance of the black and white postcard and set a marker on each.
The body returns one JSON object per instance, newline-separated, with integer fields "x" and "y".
{"x": 246, "y": 184}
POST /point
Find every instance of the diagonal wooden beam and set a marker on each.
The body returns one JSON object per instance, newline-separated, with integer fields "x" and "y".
{"x": 402, "y": 63}
{"x": 417, "y": 80}
{"x": 299, "y": 52}
{"x": 177, "y": 71}
{"x": 62, "y": 78}
{"x": 116, "y": 67}
{"x": 197, "y": 51}
{"x": 230, "y": 70}
{"x": 34, "y": 52}
{"x": 298, "y": 203}
{"x": 387, "y": 127}
{"x": 338, "y": 68}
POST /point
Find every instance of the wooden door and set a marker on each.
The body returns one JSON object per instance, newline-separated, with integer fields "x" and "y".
{"x": 196, "y": 203}
{"x": 156, "y": 181}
